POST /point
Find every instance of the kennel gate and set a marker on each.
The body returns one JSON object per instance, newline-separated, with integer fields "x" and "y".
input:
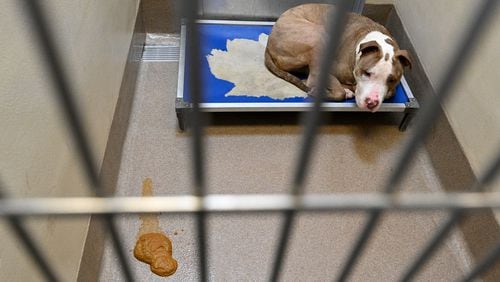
{"x": 290, "y": 204}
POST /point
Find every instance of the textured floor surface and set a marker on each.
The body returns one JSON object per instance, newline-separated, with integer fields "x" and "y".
{"x": 354, "y": 153}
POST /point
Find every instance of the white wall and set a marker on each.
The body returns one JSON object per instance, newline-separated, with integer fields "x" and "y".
{"x": 435, "y": 28}
{"x": 37, "y": 158}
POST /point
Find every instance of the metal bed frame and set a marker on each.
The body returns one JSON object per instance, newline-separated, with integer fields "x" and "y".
{"x": 199, "y": 203}
{"x": 182, "y": 106}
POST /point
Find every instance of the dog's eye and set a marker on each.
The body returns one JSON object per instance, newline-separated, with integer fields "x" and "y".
{"x": 367, "y": 74}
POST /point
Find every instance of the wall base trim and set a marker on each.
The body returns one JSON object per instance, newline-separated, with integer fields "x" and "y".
{"x": 90, "y": 263}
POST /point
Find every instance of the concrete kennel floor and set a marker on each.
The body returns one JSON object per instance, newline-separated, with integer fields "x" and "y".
{"x": 354, "y": 153}
{"x": 256, "y": 154}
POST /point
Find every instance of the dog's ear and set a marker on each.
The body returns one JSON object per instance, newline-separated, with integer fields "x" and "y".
{"x": 369, "y": 47}
{"x": 404, "y": 57}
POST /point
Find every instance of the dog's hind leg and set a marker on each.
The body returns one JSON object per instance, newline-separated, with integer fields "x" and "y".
{"x": 271, "y": 66}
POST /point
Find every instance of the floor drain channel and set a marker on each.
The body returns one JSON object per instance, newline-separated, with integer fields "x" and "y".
{"x": 160, "y": 53}
{"x": 161, "y": 47}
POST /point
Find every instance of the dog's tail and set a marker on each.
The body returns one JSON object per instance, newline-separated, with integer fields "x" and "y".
{"x": 271, "y": 66}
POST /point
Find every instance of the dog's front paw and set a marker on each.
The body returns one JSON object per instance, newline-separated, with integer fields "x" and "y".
{"x": 348, "y": 93}
{"x": 312, "y": 92}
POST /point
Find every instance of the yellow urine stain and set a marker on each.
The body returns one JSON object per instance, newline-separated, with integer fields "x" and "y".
{"x": 149, "y": 222}
{"x": 153, "y": 246}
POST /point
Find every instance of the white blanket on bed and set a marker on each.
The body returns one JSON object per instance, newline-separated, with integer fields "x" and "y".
{"x": 243, "y": 65}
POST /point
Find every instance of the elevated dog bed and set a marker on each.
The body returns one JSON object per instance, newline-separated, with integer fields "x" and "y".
{"x": 216, "y": 41}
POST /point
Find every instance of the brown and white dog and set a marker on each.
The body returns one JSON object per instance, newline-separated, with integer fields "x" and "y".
{"x": 369, "y": 63}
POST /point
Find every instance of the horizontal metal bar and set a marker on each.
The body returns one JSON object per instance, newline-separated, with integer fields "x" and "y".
{"x": 232, "y": 22}
{"x": 294, "y": 107}
{"x": 245, "y": 202}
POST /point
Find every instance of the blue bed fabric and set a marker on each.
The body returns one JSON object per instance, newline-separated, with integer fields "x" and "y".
{"x": 214, "y": 36}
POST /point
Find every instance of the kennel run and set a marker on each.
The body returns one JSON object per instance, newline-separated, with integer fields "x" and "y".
{"x": 214, "y": 35}
{"x": 290, "y": 204}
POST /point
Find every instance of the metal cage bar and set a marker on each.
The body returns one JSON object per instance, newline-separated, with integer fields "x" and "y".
{"x": 65, "y": 97}
{"x": 358, "y": 6}
{"x": 200, "y": 204}
{"x": 311, "y": 124}
{"x": 484, "y": 265}
{"x": 16, "y": 225}
{"x": 237, "y": 203}
{"x": 424, "y": 123}
{"x": 445, "y": 228}
{"x": 189, "y": 10}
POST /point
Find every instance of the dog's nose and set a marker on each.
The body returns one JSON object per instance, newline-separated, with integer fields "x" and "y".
{"x": 371, "y": 103}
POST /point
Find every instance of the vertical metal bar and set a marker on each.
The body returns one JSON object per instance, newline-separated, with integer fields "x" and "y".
{"x": 424, "y": 123}
{"x": 484, "y": 265}
{"x": 433, "y": 245}
{"x": 358, "y": 6}
{"x": 445, "y": 228}
{"x": 312, "y": 120}
{"x": 189, "y": 12}
{"x": 32, "y": 248}
{"x": 48, "y": 50}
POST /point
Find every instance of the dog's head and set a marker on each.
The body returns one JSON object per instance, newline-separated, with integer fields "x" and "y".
{"x": 378, "y": 69}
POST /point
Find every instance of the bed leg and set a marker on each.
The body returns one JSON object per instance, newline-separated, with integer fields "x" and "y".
{"x": 406, "y": 121}
{"x": 182, "y": 111}
{"x": 181, "y": 120}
